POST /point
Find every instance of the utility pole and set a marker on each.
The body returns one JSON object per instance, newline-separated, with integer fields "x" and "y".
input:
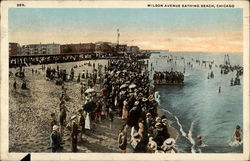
{"x": 118, "y": 36}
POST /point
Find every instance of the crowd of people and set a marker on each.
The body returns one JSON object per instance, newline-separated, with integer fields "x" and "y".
{"x": 225, "y": 69}
{"x": 235, "y": 81}
{"x": 168, "y": 77}
{"x": 127, "y": 85}
{"x": 26, "y": 60}
{"x": 125, "y": 93}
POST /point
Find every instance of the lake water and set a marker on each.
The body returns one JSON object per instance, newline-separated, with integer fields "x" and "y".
{"x": 197, "y": 108}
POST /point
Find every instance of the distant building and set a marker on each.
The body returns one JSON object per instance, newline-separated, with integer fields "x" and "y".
{"x": 78, "y": 48}
{"x": 14, "y": 49}
{"x": 133, "y": 49}
{"x": 41, "y": 49}
{"x": 53, "y": 48}
{"x": 69, "y": 48}
{"x": 122, "y": 48}
{"x": 104, "y": 47}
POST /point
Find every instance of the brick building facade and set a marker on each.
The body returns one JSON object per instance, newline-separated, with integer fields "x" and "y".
{"x": 78, "y": 48}
{"x": 40, "y": 49}
{"x": 14, "y": 49}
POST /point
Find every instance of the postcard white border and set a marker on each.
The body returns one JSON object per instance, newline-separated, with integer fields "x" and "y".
{"x": 5, "y": 155}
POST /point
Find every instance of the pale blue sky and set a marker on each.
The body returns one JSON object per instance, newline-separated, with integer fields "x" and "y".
{"x": 203, "y": 19}
{"x": 130, "y": 21}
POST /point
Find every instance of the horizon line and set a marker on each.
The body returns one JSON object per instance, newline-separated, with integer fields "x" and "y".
{"x": 239, "y": 52}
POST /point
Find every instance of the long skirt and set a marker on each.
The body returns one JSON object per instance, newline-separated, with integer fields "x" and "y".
{"x": 124, "y": 113}
{"x": 87, "y": 122}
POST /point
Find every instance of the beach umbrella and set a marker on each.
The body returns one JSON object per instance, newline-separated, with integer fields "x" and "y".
{"x": 123, "y": 86}
{"x": 89, "y": 106}
{"x": 90, "y": 90}
{"x": 132, "y": 85}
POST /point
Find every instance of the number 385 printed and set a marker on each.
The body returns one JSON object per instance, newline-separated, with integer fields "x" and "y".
{"x": 20, "y": 5}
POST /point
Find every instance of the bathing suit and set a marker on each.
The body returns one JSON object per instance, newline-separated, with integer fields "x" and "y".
{"x": 237, "y": 135}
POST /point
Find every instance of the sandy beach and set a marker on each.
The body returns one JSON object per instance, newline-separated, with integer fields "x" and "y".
{"x": 29, "y": 114}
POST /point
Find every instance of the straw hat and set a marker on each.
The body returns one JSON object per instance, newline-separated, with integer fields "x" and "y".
{"x": 151, "y": 98}
{"x": 169, "y": 142}
{"x": 164, "y": 120}
{"x": 73, "y": 117}
{"x": 55, "y": 127}
{"x": 144, "y": 99}
{"x": 137, "y": 103}
{"x": 158, "y": 119}
{"x": 158, "y": 126}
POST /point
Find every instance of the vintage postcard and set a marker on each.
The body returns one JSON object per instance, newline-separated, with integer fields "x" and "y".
{"x": 126, "y": 80}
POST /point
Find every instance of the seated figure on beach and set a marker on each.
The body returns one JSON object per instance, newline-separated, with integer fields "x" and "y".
{"x": 137, "y": 144}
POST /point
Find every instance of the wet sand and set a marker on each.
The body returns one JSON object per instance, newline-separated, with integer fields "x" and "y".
{"x": 29, "y": 114}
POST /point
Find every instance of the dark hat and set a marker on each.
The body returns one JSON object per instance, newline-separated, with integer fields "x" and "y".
{"x": 238, "y": 127}
{"x": 136, "y": 136}
{"x": 198, "y": 137}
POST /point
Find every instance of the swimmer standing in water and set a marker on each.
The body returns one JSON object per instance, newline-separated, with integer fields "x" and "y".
{"x": 237, "y": 134}
{"x": 219, "y": 89}
{"x": 200, "y": 143}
